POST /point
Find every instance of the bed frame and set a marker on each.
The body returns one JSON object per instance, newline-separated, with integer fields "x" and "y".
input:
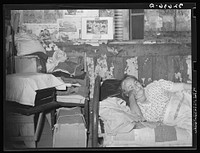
{"x": 95, "y": 112}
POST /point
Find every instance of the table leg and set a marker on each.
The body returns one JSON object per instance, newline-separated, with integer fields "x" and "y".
{"x": 39, "y": 126}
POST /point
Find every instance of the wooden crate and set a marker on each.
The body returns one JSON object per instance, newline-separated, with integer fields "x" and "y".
{"x": 27, "y": 64}
{"x": 19, "y": 128}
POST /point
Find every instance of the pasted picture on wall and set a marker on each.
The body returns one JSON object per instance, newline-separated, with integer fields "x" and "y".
{"x": 80, "y": 13}
{"x": 97, "y": 28}
{"x": 69, "y": 27}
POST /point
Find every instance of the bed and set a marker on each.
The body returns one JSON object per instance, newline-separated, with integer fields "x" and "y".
{"x": 129, "y": 134}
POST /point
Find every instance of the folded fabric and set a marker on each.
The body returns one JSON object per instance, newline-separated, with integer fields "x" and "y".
{"x": 64, "y": 75}
{"x": 74, "y": 90}
{"x": 71, "y": 99}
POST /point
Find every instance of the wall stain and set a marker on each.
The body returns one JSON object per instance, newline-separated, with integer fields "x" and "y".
{"x": 132, "y": 67}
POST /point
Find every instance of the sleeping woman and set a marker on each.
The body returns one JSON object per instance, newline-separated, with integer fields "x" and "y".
{"x": 161, "y": 101}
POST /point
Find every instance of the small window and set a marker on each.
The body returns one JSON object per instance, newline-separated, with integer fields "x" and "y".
{"x": 136, "y": 24}
{"x": 129, "y": 24}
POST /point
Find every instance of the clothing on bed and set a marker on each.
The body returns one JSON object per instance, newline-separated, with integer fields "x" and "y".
{"x": 83, "y": 89}
{"x": 58, "y": 61}
{"x": 73, "y": 91}
{"x": 67, "y": 75}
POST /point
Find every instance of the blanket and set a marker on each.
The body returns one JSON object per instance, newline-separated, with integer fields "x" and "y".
{"x": 179, "y": 111}
{"x": 120, "y": 130}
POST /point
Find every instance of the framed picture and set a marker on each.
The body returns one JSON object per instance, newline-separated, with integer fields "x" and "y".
{"x": 69, "y": 27}
{"x": 100, "y": 28}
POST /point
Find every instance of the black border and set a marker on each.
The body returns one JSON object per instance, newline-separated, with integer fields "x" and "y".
{"x": 64, "y": 5}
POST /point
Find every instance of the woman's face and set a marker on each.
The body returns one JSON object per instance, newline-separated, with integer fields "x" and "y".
{"x": 130, "y": 84}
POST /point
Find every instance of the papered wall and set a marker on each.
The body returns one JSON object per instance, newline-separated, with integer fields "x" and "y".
{"x": 155, "y": 20}
{"x": 146, "y": 61}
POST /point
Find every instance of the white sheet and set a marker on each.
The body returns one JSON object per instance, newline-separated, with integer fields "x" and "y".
{"x": 21, "y": 87}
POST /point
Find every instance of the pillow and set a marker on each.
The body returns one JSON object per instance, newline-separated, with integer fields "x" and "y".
{"x": 111, "y": 87}
{"x": 27, "y": 44}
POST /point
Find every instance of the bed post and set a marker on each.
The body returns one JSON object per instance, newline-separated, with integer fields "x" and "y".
{"x": 95, "y": 112}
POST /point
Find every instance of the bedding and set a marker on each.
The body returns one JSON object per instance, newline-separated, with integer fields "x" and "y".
{"x": 121, "y": 130}
{"x": 60, "y": 61}
{"x": 52, "y": 58}
{"x": 78, "y": 99}
{"x": 27, "y": 43}
{"x": 22, "y": 87}
{"x": 111, "y": 120}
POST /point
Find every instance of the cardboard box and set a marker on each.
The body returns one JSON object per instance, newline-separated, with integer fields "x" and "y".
{"x": 70, "y": 129}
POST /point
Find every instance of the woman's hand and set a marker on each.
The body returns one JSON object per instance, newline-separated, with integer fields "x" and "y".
{"x": 137, "y": 118}
{"x": 151, "y": 124}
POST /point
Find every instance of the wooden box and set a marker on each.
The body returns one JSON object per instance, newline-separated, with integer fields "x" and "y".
{"x": 70, "y": 130}
{"x": 19, "y": 131}
{"x": 27, "y": 64}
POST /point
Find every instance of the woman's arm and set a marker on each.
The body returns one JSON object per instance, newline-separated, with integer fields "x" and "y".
{"x": 134, "y": 106}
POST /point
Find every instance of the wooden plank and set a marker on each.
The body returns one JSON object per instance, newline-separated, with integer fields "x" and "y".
{"x": 161, "y": 68}
{"x": 170, "y": 68}
{"x": 118, "y": 68}
{"x": 177, "y": 69}
{"x": 134, "y": 49}
{"x": 184, "y": 68}
{"x": 145, "y": 69}
{"x": 153, "y": 49}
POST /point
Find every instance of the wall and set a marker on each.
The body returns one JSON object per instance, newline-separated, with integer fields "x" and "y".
{"x": 167, "y": 23}
{"x": 168, "y": 20}
{"x": 147, "y": 61}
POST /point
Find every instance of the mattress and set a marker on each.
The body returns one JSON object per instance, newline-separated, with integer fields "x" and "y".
{"x": 22, "y": 87}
